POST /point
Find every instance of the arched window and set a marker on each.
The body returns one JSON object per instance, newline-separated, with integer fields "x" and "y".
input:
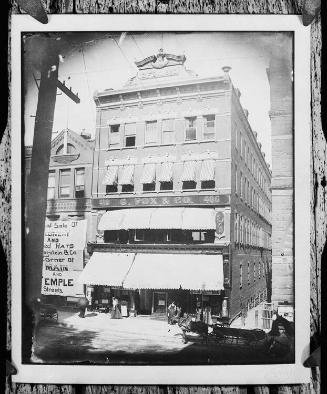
{"x": 70, "y": 149}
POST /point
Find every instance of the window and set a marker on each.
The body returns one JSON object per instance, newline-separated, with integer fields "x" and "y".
{"x": 110, "y": 236}
{"x": 148, "y": 178}
{"x": 127, "y": 188}
{"x": 254, "y": 273}
{"x": 190, "y": 131}
{"x": 207, "y": 174}
{"x": 80, "y": 182}
{"x": 64, "y": 183}
{"x": 241, "y": 275}
{"x": 111, "y": 188}
{"x": 248, "y": 272}
{"x": 168, "y": 132}
{"x": 203, "y": 236}
{"x": 208, "y": 185}
{"x": 139, "y": 235}
{"x": 236, "y": 229}
{"x": 149, "y": 187}
{"x": 114, "y": 136}
{"x": 209, "y": 127}
{"x": 130, "y": 134}
{"x": 51, "y": 185}
{"x": 242, "y": 185}
{"x": 151, "y": 132}
{"x": 70, "y": 149}
{"x": 259, "y": 270}
{"x": 166, "y": 185}
{"x": 187, "y": 185}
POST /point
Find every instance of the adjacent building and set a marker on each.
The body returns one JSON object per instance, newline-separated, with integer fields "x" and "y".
{"x": 181, "y": 202}
{"x": 68, "y": 200}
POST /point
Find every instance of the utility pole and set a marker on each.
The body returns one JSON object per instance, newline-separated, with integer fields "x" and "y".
{"x": 36, "y": 196}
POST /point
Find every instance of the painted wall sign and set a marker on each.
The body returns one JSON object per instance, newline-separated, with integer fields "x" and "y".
{"x": 64, "y": 242}
{"x": 217, "y": 200}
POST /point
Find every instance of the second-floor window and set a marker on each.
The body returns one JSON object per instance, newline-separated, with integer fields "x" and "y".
{"x": 65, "y": 183}
{"x": 190, "y": 129}
{"x": 80, "y": 182}
{"x": 51, "y": 185}
{"x": 209, "y": 127}
{"x": 114, "y": 136}
{"x": 130, "y": 134}
{"x": 188, "y": 175}
{"x": 165, "y": 176}
{"x": 151, "y": 132}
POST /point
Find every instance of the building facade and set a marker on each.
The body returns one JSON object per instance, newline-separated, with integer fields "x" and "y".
{"x": 181, "y": 200}
{"x": 68, "y": 200}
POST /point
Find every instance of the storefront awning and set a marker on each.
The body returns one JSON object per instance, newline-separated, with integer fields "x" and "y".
{"x": 106, "y": 269}
{"x": 176, "y": 271}
{"x": 199, "y": 219}
{"x": 137, "y": 218}
{"x": 167, "y": 218}
{"x": 159, "y": 219}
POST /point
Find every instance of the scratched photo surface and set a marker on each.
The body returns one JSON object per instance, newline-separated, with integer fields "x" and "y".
{"x": 153, "y": 164}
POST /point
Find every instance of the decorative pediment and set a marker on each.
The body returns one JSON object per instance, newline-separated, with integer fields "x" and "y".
{"x": 160, "y": 60}
{"x": 163, "y": 66}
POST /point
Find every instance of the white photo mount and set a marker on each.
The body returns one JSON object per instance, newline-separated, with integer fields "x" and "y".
{"x": 171, "y": 374}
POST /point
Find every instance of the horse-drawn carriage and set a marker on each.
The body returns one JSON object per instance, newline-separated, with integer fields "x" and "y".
{"x": 218, "y": 334}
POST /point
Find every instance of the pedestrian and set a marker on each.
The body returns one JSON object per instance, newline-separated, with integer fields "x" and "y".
{"x": 171, "y": 312}
{"x": 207, "y": 316}
{"x": 83, "y": 302}
{"x": 115, "y": 312}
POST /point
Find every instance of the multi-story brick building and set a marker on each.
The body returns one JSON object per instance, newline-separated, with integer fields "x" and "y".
{"x": 180, "y": 194}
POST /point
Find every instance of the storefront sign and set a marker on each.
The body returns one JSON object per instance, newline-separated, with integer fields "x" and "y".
{"x": 64, "y": 242}
{"x": 61, "y": 283}
{"x": 160, "y": 201}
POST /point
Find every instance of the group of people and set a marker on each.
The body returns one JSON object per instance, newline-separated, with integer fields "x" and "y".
{"x": 114, "y": 314}
{"x": 174, "y": 313}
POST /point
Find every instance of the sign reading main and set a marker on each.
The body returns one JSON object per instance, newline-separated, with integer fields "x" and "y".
{"x": 64, "y": 242}
{"x": 164, "y": 201}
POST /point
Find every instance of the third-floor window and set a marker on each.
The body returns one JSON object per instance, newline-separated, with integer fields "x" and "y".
{"x": 151, "y": 132}
{"x": 130, "y": 134}
{"x": 209, "y": 127}
{"x": 190, "y": 129}
{"x": 64, "y": 183}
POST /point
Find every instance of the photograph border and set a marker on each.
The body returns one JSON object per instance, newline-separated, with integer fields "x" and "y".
{"x": 199, "y": 374}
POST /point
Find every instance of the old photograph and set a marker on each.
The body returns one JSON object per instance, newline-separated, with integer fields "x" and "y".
{"x": 157, "y": 192}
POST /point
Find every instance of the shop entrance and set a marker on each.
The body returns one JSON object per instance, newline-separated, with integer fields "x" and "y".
{"x": 159, "y": 304}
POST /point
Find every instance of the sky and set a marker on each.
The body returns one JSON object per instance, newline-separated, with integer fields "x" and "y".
{"x": 99, "y": 61}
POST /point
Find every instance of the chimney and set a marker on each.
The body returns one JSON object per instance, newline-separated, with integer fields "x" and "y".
{"x": 226, "y": 70}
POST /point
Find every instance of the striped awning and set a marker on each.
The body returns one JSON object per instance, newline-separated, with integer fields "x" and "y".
{"x": 188, "y": 173}
{"x": 106, "y": 269}
{"x": 176, "y": 271}
{"x": 149, "y": 173}
{"x": 126, "y": 175}
{"x": 207, "y": 172}
{"x": 111, "y": 176}
{"x": 166, "y": 172}
{"x": 159, "y": 219}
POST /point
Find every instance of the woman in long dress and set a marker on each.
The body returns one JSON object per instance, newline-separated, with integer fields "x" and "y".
{"x": 115, "y": 313}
